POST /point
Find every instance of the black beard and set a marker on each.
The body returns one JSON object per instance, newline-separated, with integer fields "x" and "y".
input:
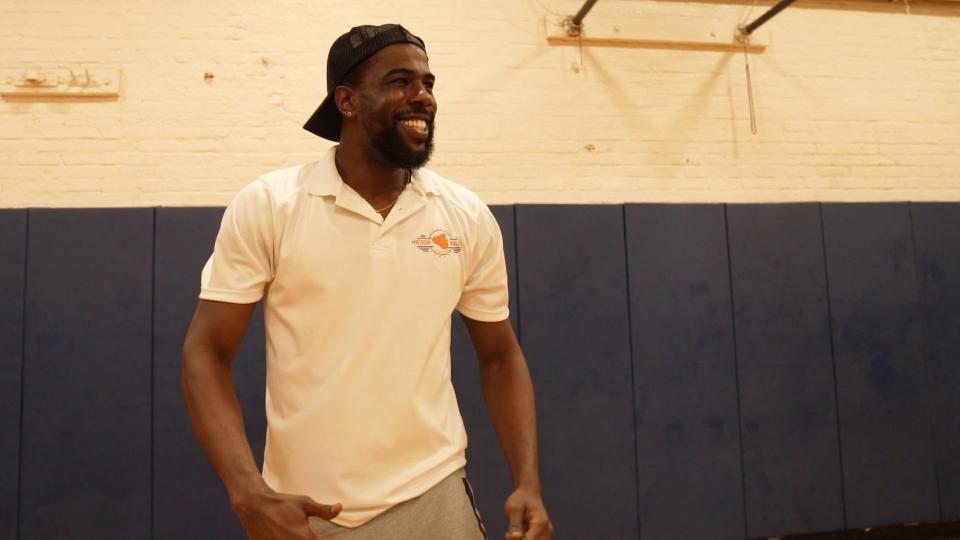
{"x": 391, "y": 147}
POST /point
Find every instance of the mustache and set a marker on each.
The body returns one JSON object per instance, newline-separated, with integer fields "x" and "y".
{"x": 420, "y": 111}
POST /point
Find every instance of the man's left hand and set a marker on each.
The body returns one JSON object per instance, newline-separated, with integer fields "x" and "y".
{"x": 528, "y": 517}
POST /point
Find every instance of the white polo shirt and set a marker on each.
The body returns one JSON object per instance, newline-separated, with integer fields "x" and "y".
{"x": 360, "y": 406}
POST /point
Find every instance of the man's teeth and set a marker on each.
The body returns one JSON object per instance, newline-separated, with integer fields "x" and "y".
{"x": 418, "y": 125}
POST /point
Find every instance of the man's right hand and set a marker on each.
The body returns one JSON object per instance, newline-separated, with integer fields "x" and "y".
{"x": 270, "y": 515}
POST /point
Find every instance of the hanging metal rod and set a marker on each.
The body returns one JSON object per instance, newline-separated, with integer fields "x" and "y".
{"x": 782, "y": 5}
{"x": 575, "y": 25}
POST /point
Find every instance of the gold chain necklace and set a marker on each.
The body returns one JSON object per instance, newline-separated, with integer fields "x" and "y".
{"x": 389, "y": 206}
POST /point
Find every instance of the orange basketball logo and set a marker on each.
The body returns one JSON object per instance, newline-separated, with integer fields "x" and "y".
{"x": 439, "y": 242}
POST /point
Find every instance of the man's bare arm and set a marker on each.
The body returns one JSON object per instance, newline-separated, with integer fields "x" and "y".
{"x": 508, "y": 392}
{"x": 212, "y": 342}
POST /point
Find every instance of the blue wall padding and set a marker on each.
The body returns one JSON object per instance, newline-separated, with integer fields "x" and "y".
{"x": 886, "y": 433}
{"x": 791, "y": 455}
{"x": 702, "y": 371}
{"x": 572, "y": 289}
{"x": 86, "y": 379}
{"x": 688, "y": 444}
{"x": 937, "y": 234}
{"x": 486, "y": 465}
{"x": 13, "y": 236}
{"x": 188, "y": 499}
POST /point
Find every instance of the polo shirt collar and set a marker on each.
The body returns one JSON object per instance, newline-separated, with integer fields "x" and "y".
{"x": 325, "y": 179}
{"x": 424, "y": 182}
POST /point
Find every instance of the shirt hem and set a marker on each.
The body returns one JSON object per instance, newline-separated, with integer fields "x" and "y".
{"x": 485, "y": 316}
{"x": 231, "y": 297}
{"x": 447, "y": 470}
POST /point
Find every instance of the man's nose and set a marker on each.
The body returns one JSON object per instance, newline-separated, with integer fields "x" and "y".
{"x": 423, "y": 96}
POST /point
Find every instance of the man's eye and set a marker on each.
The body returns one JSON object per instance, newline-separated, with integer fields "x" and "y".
{"x": 399, "y": 82}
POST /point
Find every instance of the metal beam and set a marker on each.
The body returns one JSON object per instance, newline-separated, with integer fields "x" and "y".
{"x": 782, "y": 5}
{"x": 578, "y": 18}
{"x": 574, "y": 25}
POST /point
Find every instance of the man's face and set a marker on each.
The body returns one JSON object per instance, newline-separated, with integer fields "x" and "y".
{"x": 397, "y": 107}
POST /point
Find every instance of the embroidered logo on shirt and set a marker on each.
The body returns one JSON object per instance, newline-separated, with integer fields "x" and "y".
{"x": 438, "y": 242}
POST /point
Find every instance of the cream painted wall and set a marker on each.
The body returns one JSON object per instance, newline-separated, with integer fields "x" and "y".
{"x": 855, "y": 101}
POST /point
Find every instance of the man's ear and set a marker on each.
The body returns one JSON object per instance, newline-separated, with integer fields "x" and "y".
{"x": 345, "y": 99}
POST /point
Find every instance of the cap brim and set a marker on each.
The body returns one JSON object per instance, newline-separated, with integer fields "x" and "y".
{"x": 325, "y": 121}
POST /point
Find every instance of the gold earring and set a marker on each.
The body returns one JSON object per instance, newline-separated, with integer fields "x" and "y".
{"x": 349, "y": 114}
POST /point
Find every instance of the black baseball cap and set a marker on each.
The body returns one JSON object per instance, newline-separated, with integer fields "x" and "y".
{"x": 346, "y": 53}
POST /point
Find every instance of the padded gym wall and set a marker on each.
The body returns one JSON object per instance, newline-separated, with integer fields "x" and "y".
{"x": 776, "y": 368}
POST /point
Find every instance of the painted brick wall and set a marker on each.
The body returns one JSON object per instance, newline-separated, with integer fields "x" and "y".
{"x": 855, "y": 101}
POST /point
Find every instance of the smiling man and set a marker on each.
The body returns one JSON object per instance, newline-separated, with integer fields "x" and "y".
{"x": 360, "y": 259}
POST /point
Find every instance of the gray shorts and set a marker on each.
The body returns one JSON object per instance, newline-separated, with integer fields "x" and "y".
{"x": 445, "y": 512}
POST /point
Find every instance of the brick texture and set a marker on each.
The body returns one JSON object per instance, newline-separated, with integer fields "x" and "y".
{"x": 855, "y": 101}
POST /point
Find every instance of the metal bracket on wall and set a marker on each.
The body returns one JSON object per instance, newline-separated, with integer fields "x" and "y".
{"x": 61, "y": 83}
{"x": 656, "y": 33}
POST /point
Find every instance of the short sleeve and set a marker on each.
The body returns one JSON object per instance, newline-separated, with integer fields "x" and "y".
{"x": 242, "y": 263}
{"x": 485, "y": 295}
